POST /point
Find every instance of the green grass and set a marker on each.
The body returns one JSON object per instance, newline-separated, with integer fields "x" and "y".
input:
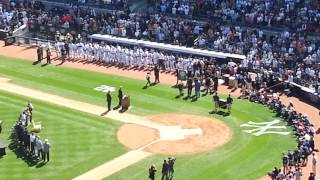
{"x": 79, "y": 141}
{"x": 245, "y": 157}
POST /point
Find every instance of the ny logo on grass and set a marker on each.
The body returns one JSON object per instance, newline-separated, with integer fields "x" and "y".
{"x": 105, "y": 88}
{"x": 260, "y": 128}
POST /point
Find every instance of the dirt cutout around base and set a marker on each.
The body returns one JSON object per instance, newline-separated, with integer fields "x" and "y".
{"x": 136, "y": 136}
{"x": 214, "y": 134}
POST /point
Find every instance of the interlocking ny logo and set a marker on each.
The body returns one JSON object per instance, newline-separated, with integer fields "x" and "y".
{"x": 260, "y": 128}
{"x": 105, "y": 88}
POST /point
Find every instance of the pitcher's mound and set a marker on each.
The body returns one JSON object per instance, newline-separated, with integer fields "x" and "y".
{"x": 214, "y": 134}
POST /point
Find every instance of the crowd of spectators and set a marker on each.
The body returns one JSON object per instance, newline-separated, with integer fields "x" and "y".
{"x": 74, "y": 17}
{"x": 288, "y": 54}
{"x": 301, "y": 15}
{"x": 304, "y": 132}
{"x": 108, "y": 4}
{"x": 292, "y": 56}
{"x": 14, "y": 14}
{"x": 262, "y": 89}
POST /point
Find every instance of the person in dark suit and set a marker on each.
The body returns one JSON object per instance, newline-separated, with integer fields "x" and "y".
{"x": 66, "y": 46}
{"x": 39, "y": 53}
{"x": 120, "y": 96}
{"x": 229, "y": 103}
{"x": 63, "y": 54}
{"x": 26, "y": 140}
{"x": 109, "y": 99}
{"x": 171, "y": 161}
{"x": 189, "y": 86}
{"x": 216, "y": 102}
{"x": 165, "y": 168}
{"x": 156, "y": 75}
{"x": 48, "y": 56}
{"x": 216, "y": 83}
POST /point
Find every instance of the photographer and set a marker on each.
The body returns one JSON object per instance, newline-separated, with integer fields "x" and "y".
{"x": 152, "y": 172}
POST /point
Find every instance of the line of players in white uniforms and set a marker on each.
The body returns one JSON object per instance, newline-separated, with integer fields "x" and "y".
{"x": 130, "y": 57}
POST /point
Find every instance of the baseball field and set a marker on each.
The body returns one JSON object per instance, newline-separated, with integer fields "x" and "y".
{"x": 83, "y": 137}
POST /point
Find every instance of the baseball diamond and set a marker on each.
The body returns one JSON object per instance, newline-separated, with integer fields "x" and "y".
{"x": 159, "y": 90}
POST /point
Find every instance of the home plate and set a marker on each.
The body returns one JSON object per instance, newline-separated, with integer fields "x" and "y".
{"x": 173, "y": 133}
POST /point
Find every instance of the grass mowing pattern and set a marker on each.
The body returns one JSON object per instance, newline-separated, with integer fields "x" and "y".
{"x": 245, "y": 157}
{"x": 79, "y": 141}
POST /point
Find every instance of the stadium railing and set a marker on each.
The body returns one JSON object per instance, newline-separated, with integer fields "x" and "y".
{"x": 97, "y": 8}
{"x": 28, "y": 41}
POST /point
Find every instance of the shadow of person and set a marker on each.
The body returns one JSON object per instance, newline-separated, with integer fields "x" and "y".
{"x": 43, "y": 65}
{"x": 21, "y": 153}
{"x": 186, "y": 98}
{"x": 60, "y": 63}
{"x": 104, "y": 113}
{"x": 178, "y": 96}
{"x": 204, "y": 94}
{"x": 117, "y": 107}
{"x": 224, "y": 114}
{"x": 35, "y": 62}
{"x": 41, "y": 164}
{"x": 194, "y": 99}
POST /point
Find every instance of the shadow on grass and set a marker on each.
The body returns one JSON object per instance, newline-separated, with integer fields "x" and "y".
{"x": 35, "y": 62}
{"x": 221, "y": 113}
{"x": 22, "y": 153}
{"x": 40, "y": 165}
{"x": 44, "y": 65}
